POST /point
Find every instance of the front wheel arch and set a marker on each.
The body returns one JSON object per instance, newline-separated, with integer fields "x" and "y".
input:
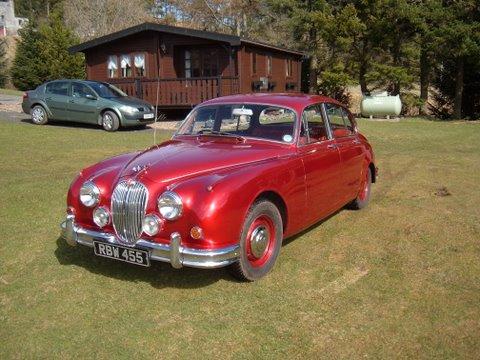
{"x": 278, "y": 201}
{"x": 103, "y": 111}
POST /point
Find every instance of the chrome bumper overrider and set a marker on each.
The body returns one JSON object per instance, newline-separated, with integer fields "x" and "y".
{"x": 175, "y": 253}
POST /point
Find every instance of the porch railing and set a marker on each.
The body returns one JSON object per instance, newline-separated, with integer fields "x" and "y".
{"x": 179, "y": 92}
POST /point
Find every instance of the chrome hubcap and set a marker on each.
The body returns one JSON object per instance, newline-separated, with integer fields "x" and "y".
{"x": 259, "y": 241}
{"x": 107, "y": 121}
{"x": 37, "y": 115}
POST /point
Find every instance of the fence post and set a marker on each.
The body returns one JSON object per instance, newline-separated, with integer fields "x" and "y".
{"x": 219, "y": 85}
{"x": 138, "y": 89}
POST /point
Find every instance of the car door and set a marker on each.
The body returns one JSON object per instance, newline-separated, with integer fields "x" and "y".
{"x": 322, "y": 163}
{"x": 57, "y": 95}
{"x": 349, "y": 146}
{"x": 83, "y": 104}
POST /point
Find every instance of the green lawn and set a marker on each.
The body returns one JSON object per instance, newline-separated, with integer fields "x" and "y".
{"x": 11, "y": 92}
{"x": 398, "y": 279}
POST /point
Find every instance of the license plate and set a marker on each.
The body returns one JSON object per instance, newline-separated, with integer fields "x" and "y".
{"x": 132, "y": 256}
{"x": 148, "y": 116}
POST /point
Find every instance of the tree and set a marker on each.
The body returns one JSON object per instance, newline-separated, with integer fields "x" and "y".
{"x": 42, "y": 54}
{"x": 35, "y": 9}
{"x": 28, "y": 69}
{"x": 3, "y": 62}
{"x": 94, "y": 18}
{"x": 457, "y": 37}
{"x": 54, "y": 42}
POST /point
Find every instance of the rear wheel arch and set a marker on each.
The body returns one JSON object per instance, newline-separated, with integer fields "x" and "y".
{"x": 371, "y": 167}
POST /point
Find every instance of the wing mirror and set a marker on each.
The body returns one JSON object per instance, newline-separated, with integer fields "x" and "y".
{"x": 91, "y": 97}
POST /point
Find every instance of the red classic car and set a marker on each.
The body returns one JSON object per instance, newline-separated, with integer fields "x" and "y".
{"x": 241, "y": 174}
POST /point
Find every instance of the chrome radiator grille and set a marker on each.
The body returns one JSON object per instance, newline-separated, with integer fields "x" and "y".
{"x": 129, "y": 201}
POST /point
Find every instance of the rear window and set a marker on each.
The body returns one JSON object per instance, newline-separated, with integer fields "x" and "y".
{"x": 57, "y": 88}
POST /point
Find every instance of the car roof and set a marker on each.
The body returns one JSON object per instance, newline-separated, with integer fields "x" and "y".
{"x": 297, "y": 101}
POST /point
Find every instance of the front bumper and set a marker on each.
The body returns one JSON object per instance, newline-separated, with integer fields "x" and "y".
{"x": 174, "y": 253}
{"x": 136, "y": 119}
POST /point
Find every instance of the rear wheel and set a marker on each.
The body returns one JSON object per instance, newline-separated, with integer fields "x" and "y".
{"x": 39, "y": 115}
{"x": 260, "y": 242}
{"x": 110, "y": 121}
{"x": 363, "y": 196}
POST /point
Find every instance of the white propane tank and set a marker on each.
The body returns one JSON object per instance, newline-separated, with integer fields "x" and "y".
{"x": 381, "y": 105}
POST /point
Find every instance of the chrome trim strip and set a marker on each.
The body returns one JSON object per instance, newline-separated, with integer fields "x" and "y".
{"x": 175, "y": 253}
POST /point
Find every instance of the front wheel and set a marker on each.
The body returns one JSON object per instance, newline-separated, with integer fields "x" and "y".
{"x": 39, "y": 115}
{"x": 260, "y": 242}
{"x": 363, "y": 196}
{"x": 110, "y": 121}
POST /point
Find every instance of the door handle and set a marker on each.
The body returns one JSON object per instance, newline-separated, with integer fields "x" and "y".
{"x": 332, "y": 146}
{"x": 356, "y": 142}
{"x": 312, "y": 151}
{"x": 48, "y": 98}
{"x": 71, "y": 101}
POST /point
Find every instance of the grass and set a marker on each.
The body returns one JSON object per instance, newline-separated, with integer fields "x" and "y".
{"x": 11, "y": 92}
{"x": 399, "y": 279}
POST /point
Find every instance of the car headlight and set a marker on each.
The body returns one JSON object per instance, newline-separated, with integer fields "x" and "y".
{"x": 128, "y": 109}
{"x": 170, "y": 205}
{"x": 101, "y": 217}
{"x": 89, "y": 194}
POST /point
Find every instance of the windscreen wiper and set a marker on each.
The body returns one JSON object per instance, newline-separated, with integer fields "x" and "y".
{"x": 219, "y": 133}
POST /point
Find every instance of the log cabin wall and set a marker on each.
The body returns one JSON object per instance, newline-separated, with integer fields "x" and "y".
{"x": 278, "y": 73}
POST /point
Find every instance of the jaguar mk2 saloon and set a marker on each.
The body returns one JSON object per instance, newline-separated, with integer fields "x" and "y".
{"x": 241, "y": 174}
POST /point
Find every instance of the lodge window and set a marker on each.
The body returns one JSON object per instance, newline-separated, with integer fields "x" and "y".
{"x": 200, "y": 63}
{"x": 139, "y": 64}
{"x": 126, "y": 65}
{"x": 288, "y": 67}
{"x": 112, "y": 66}
{"x": 269, "y": 65}
{"x": 254, "y": 63}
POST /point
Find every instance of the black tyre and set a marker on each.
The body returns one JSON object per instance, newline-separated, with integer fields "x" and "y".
{"x": 39, "y": 115}
{"x": 260, "y": 242}
{"x": 363, "y": 196}
{"x": 110, "y": 121}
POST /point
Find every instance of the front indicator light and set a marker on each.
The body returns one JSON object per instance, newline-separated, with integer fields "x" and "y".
{"x": 101, "y": 217}
{"x": 196, "y": 232}
{"x": 151, "y": 225}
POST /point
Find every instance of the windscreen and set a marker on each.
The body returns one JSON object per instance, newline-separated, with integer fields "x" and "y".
{"x": 107, "y": 91}
{"x": 246, "y": 120}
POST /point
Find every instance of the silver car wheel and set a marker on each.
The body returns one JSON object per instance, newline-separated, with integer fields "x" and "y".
{"x": 38, "y": 115}
{"x": 107, "y": 122}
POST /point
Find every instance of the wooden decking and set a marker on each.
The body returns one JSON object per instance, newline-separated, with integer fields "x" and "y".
{"x": 178, "y": 92}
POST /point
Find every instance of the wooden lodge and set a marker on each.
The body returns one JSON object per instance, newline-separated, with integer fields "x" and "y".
{"x": 177, "y": 68}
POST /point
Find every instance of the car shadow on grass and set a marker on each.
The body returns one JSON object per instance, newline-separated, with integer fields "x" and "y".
{"x": 158, "y": 275}
{"x": 73, "y": 125}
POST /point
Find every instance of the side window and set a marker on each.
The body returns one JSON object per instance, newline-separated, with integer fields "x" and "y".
{"x": 57, "y": 88}
{"x": 348, "y": 122}
{"x": 80, "y": 90}
{"x": 316, "y": 130}
{"x": 337, "y": 123}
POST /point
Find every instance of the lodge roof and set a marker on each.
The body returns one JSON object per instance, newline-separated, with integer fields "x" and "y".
{"x": 232, "y": 40}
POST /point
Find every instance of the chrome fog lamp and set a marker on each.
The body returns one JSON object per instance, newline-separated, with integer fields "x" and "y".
{"x": 89, "y": 194}
{"x": 101, "y": 217}
{"x": 170, "y": 205}
{"x": 151, "y": 225}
